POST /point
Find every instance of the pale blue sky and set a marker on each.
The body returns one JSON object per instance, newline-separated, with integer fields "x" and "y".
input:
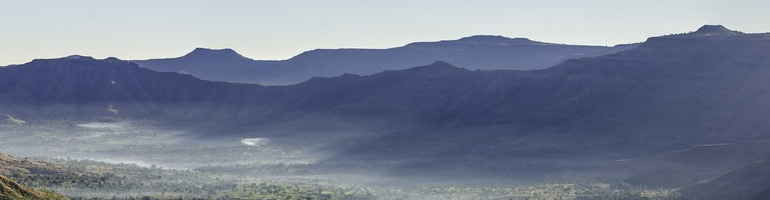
{"x": 279, "y": 29}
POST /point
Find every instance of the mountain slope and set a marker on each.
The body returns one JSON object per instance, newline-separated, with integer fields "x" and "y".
{"x": 748, "y": 182}
{"x": 670, "y": 92}
{"x": 476, "y": 52}
{"x": 220, "y": 65}
{"x": 11, "y": 165}
{"x": 682, "y": 167}
{"x": 83, "y": 86}
{"x": 10, "y": 190}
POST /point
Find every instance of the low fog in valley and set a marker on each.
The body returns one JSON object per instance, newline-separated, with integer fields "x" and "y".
{"x": 678, "y": 114}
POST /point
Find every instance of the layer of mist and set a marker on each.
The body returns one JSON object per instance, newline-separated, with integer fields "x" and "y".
{"x": 145, "y": 144}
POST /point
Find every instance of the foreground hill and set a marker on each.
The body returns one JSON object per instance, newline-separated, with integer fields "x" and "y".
{"x": 708, "y": 86}
{"x": 476, "y": 52}
{"x": 10, "y": 190}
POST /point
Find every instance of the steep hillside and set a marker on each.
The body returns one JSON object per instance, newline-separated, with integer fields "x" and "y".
{"x": 11, "y": 165}
{"x": 78, "y": 86}
{"x": 750, "y": 182}
{"x": 10, "y": 190}
{"x": 669, "y": 91}
{"x": 682, "y": 167}
{"x": 476, "y": 52}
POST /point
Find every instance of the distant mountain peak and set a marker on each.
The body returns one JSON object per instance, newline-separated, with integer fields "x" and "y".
{"x": 79, "y": 57}
{"x": 708, "y": 32}
{"x": 207, "y": 50}
{"x": 715, "y": 30}
{"x": 80, "y": 60}
{"x": 206, "y": 53}
{"x": 438, "y": 67}
{"x": 485, "y": 38}
{"x": 439, "y": 63}
{"x": 89, "y": 58}
{"x": 498, "y": 40}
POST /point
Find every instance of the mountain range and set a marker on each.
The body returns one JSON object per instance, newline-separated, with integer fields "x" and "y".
{"x": 668, "y": 93}
{"x": 475, "y": 52}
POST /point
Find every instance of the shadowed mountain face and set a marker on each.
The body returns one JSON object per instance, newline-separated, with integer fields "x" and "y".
{"x": 82, "y": 86}
{"x": 476, "y": 52}
{"x": 747, "y": 182}
{"x": 684, "y": 167}
{"x": 669, "y": 92}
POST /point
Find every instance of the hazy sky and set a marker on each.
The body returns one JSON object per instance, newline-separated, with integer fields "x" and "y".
{"x": 279, "y": 29}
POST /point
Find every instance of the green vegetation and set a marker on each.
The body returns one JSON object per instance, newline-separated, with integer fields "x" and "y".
{"x": 96, "y": 180}
{"x": 84, "y": 179}
{"x": 10, "y": 190}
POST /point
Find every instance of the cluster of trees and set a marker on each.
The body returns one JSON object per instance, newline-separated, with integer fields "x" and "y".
{"x": 96, "y": 180}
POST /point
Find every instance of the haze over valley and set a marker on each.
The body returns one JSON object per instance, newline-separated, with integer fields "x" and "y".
{"x": 678, "y": 116}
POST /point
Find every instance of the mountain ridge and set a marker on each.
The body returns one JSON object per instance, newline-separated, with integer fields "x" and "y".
{"x": 200, "y": 53}
{"x": 667, "y": 93}
{"x": 474, "y": 52}
{"x": 492, "y": 40}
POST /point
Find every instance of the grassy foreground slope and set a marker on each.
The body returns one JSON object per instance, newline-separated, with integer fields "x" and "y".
{"x": 10, "y": 190}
